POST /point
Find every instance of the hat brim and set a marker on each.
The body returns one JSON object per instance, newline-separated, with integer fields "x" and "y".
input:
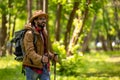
{"x": 35, "y": 16}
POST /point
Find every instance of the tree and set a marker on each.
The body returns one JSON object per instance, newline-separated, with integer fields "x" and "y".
{"x": 116, "y": 19}
{"x": 69, "y": 24}
{"x": 3, "y": 33}
{"x": 39, "y": 4}
{"x": 106, "y": 24}
{"x": 3, "y": 29}
{"x": 57, "y": 24}
{"x": 88, "y": 37}
{"x": 78, "y": 30}
{"x": 29, "y": 9}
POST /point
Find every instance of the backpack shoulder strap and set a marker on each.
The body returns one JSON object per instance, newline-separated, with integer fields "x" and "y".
{"x": 34, "y": 40}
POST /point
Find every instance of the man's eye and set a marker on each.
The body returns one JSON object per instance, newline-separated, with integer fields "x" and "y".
{"x": 41, "y": 18}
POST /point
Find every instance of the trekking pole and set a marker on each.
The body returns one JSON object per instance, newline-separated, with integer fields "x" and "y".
{"x": 54, "y": 70}
{"x": 54, "y": 63}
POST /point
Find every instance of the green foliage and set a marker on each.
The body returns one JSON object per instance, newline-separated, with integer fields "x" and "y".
{"x": 83, "y": 5}
{"x": 18, "y": 8}
{"x": 21, "y": 24}
{"x": 3, "y": 7}
{"x": 96, "y": 5}
{"x": 90, "y": 64}
{"x": 59, "y": 1}
{"x": 59, "y": 49}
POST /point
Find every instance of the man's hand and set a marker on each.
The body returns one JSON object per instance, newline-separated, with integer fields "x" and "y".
{"x": 45, "y": 59}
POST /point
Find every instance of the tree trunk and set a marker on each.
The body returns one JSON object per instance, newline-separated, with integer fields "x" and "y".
{"x": 39, "y": 4}
{"x": 45, "y": 6}
{"x": 116, "y": 19}
{"x": 109, "y": 36}
{"x": 45, "y": 9}
{"x": 3, "y": 34}
{"x": 13, "y": 30}
{"x": 9, "y": 20}
{"x": 29, "y": 9}
{"x": 106, "y": 24}
{"x": 78, "y": 30}
{"x": 89, "y": 36}
{"x": 104, "y": 46}
{"x": 69, "y": 24}
{"x": 96, "y": 41}
{"x": 57, "y": 24}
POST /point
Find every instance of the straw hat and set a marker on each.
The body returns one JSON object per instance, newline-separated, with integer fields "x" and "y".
{"x": 36, "y": 14}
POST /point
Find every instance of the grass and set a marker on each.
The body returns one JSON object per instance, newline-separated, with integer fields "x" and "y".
{"x": 93, "y": 66}
{"x": 10, "y": 69}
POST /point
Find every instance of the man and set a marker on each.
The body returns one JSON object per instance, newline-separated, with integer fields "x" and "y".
{"x": 37, "y": 56}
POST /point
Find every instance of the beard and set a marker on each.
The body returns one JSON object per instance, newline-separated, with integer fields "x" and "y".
{"x": 41, "y": 25}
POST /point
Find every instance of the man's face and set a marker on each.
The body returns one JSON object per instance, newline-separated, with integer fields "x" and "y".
{"x": 40, "y": 21}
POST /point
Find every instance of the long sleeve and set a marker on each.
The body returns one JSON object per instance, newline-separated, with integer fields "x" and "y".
{"x": 30, "y": 49}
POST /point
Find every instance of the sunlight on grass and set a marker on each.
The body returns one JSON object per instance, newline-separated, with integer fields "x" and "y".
{"x": 10, "y": 69}
{"x": 8, "y": 62}
{"x": 91, "y": 66}
{"x": 114, "y": 59}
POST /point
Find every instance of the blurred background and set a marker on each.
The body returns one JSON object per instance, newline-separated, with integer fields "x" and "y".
{"x": 85, "y": 34}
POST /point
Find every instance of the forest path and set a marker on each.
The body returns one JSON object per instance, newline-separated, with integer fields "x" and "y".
{"x": 114, "y": 59}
